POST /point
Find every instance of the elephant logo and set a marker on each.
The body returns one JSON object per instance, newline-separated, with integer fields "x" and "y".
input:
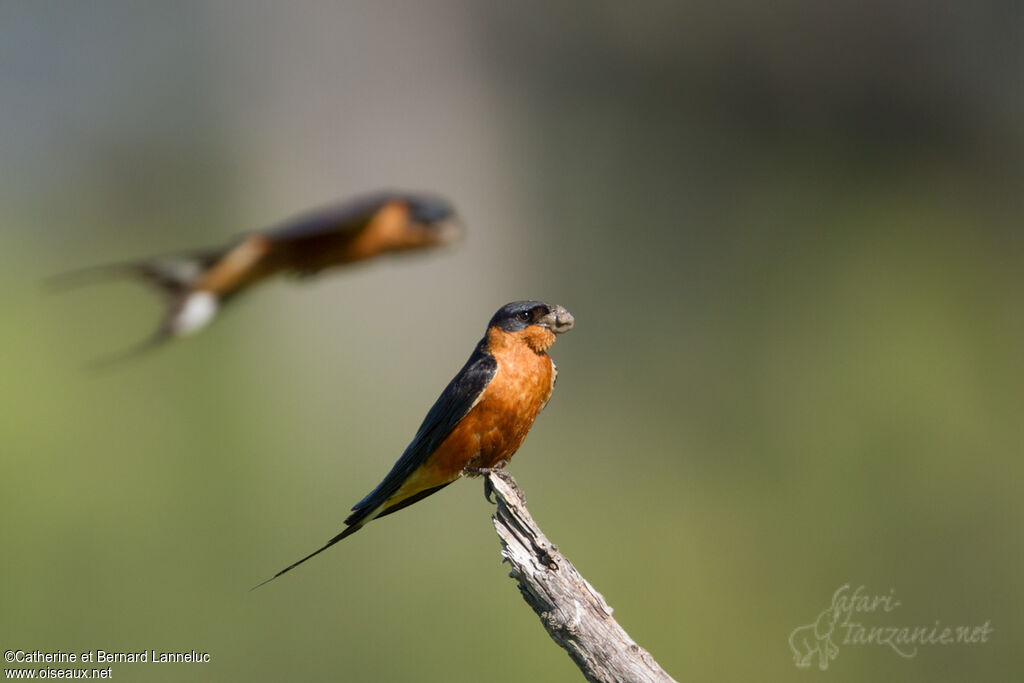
{"x": 816, "y": 639}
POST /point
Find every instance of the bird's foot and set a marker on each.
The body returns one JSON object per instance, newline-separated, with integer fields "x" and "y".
{"x": 498, "y": 471}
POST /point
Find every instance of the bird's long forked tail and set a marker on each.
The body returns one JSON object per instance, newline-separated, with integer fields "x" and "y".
{"x": 160, "y": 337}
{"x": 360, "y": 517}
{"x": 344, "y": 534}
{"x": 185, "y": 310}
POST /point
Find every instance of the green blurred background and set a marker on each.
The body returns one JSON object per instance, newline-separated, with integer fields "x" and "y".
{"x": 791, "y": 237}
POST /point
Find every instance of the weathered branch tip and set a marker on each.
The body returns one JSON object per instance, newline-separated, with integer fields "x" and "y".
{"x": 575, "y": 615}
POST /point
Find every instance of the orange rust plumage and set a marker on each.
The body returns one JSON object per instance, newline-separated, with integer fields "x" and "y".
{"x": 481, "y": 418}
{"x": 494, "y": 429}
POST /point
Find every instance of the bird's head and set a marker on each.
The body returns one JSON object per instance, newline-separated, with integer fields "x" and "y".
{"x": 532, "y": 322}
{"x": 432, "y": 220}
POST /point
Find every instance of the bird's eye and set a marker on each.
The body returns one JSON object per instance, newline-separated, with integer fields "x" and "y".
{"x": 524, "y": 316}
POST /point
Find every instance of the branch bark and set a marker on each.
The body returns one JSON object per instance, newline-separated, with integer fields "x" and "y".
{"x": 574, "y": 614}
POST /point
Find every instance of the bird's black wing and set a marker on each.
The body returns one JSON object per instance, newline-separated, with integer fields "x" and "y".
{"x": 451, "y": 406}
{"x": 331, "y": 219}
{"x": 455, "y": 401}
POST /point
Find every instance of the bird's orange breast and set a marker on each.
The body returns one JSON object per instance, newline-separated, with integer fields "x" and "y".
{"x": 495, "y": 427}
{"x": 497, "y": 424}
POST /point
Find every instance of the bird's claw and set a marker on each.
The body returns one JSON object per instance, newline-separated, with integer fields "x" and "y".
{"x": 488, "y": 491}
{"x": 484, "y": 471}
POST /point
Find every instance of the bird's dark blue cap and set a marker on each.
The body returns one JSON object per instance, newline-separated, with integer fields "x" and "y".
{"x": 429, "y": 209}
{"x": 519, "y": 315}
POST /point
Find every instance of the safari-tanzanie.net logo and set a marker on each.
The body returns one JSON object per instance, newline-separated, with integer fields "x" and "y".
{"x": 858, "y": 617}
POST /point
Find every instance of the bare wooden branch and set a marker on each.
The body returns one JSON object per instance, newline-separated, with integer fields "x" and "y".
{"x": 574, "y": 614}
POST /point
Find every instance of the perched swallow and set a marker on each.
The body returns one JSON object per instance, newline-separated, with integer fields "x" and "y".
{"x": 481, "y": 417}
{"x": 197, "y": 284}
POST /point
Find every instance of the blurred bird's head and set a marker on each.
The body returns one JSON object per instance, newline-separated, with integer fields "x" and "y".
{"x": 431, "y": 220}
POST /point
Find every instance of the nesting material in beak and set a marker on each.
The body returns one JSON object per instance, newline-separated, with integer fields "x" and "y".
{"x": 558, "y": 320}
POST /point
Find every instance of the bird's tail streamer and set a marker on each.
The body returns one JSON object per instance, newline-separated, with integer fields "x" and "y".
{"x": 186, "y": 310}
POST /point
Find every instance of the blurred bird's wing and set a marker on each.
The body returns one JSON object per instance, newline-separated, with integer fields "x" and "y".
{"x": 337, "y": 218}
{"x": 320, "y": 239}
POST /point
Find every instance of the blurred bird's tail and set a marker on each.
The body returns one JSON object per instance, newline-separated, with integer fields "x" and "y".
{"x": 186, "y": 310}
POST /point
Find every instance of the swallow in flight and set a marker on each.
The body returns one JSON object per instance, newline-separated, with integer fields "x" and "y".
{"x": 197, "y": 284}
{"x": 481, "y": 417}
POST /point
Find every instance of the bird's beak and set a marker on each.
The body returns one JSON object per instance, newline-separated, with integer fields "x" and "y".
{"x": 558, "y": 320}
{"x": 449, "y": 230}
